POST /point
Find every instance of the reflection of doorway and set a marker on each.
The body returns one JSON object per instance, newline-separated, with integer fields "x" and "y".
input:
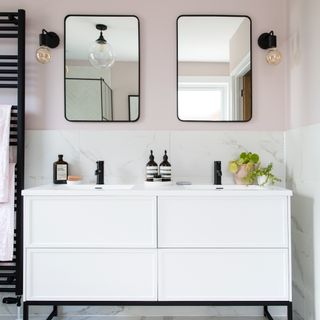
{"x": 240, "y": 109}
{"x": 246, "y": 95}
{"x": 133, "y": 104}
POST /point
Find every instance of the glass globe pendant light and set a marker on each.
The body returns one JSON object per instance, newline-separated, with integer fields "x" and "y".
{"x": 100, "y": 52}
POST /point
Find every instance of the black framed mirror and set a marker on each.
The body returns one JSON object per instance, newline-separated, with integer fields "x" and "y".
{"x": 214, "y": 68}
{"x": 102, "y": 68}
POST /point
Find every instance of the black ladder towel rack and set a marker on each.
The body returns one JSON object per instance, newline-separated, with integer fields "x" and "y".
{"x": 12, "y": 76}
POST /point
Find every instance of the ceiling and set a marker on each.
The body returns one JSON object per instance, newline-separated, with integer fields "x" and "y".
{"x": 206, "y": 38}
{"x": 122, "y": 34}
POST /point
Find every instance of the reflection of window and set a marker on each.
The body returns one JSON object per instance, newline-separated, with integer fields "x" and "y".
{"x": 203, "y": 100}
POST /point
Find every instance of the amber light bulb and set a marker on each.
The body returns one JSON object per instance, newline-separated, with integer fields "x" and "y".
{"x": 43, "y": 54}
{"x": 273, "y": 56}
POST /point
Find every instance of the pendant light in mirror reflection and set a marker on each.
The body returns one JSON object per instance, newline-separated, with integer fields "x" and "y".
{"x": 101, "y": 53}
{"x": 214, "y": 68}
{"x": 47, "y": 40}
{"x": 268, "y": 41}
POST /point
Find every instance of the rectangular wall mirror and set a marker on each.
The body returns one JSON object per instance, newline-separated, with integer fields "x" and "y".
{"x": 214, "y": 78}
{"x": 102, "y": 68}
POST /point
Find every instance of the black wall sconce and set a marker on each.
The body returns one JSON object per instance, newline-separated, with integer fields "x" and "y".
{"x": 46, "y": 40}
{"x": 268, "y": 41}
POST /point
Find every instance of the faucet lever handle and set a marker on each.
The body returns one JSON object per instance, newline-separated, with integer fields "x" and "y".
{"x": 217, "y": 173}
{"x": 99, "y": 172}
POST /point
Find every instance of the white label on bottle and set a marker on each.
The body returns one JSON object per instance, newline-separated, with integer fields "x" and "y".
{"x": 165, "y": 172}
{"x": 151, "y": 171}
{"x": 165, "y": 169}
{"x": 61, "y": 172}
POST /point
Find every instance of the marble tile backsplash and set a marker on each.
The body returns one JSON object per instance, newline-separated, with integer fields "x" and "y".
{"x": 191, "y": 153}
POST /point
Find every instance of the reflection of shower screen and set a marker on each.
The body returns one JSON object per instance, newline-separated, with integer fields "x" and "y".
{"x": 88, "y": 100}
{"x": 106, "y": 98}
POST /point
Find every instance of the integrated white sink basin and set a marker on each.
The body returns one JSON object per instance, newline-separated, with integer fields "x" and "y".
{"x": 98, "y": 186}
{"x": 222, "y": 187}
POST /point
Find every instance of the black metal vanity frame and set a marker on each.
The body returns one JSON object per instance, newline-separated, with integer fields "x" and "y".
{"x": 55, "y": 305}
{"x": 177, "y": 63}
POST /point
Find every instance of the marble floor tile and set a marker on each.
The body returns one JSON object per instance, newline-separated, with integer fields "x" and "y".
{"x": 141, "y": 318}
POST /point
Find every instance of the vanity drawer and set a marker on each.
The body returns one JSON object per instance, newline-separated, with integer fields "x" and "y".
{"x": 91, "y": 221}
{"x": 223, "y": 275}
{"x": 91, "y": 274}
{"x": 222, "y": 222}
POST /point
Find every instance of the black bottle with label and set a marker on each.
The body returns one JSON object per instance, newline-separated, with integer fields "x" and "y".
{"x": 151, "y": 168}
{"x": 60, "y": 171}
{"x": 165, "y": 168}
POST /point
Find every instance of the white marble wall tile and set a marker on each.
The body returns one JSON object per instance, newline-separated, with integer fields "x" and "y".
{"x": 195, "y": 152}
{"x": 125, "y": 153}
{"x": 303, "y": 177}
{"x": 42, "y": 149}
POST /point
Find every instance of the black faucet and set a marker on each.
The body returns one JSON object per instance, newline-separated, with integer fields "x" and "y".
{"x": 217, "y": 173}
{"x": 100, "y": 172}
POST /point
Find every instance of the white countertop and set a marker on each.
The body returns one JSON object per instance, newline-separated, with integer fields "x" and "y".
{"x": 152, "y": 190}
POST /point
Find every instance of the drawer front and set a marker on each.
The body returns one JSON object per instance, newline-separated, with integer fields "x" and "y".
{"x": 113, "y": 222}
{"x": 223, "y": 275}
{"x": 223, "y": 222}
{"x": 97, "y": 274}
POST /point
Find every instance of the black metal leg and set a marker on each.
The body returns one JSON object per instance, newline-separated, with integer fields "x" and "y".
{"x": 266, "y": 313}
{"x": 53, "y": 314}
{"x": 289, "y": 311}
{"x": 25, "y": 311}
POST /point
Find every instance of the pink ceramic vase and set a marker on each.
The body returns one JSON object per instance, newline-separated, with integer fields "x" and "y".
{"x": 241, "y": 174}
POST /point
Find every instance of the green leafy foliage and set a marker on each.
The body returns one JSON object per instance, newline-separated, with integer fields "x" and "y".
{"x": 248, "y": 158}
{"x": 263, "y": 172}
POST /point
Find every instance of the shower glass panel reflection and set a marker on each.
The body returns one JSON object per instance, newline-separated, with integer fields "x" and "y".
{"x": 89, "y": 99}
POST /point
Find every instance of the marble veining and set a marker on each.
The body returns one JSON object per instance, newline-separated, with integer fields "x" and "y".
{"x": 144, "y": 318}
{"x": 125, "y": 153}
{"x": 304, "y": 180}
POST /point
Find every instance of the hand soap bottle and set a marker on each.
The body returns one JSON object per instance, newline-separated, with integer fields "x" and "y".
{"x": 165, "y": 168}
{"x": 151, "y": 168}
{"x": 60, "y": 171}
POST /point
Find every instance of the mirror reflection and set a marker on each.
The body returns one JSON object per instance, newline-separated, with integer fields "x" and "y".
{"x": 214, "y": 79}
{"x": 102, "y": 68}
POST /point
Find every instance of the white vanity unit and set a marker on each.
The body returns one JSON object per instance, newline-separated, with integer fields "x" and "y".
{"x": 176, "y": 245}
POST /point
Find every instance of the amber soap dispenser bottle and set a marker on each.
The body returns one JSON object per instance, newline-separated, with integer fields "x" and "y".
{"x": 60, "y": 171}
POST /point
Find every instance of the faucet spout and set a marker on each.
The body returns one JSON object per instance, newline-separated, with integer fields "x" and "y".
{"x": 100, "y": 172}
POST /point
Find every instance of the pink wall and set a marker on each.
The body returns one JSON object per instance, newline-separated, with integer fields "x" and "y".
{"x": 158, "y": 61}
{"x": 124, "y": 77}
{"x": 304, "y": 67}
{"x": 204, "y": 69}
